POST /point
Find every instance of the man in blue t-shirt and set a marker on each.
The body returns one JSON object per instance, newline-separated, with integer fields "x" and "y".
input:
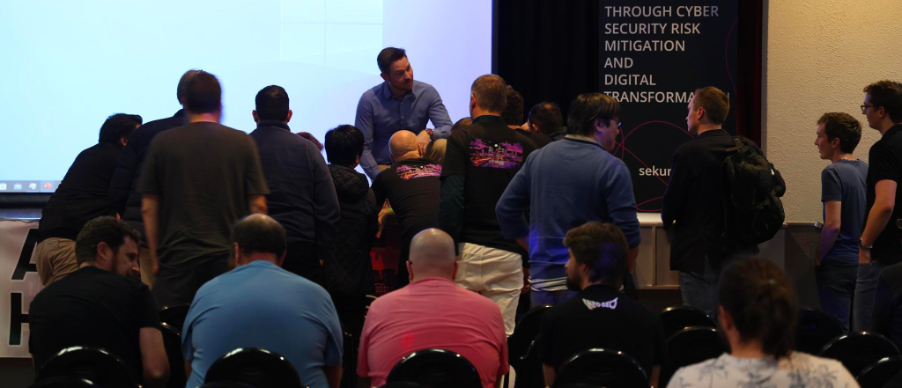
{"x": 843, "y": 190}
{"x": 261, "y": 305}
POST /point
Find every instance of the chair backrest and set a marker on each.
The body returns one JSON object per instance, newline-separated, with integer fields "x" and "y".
{"x": 880, "y": 373}
{"x": 64, "y": 382}
{"x": 689, "y": 346}
{"x": 678, "y": 318}
{"x": 525, "y": 332}
{"x": 436, "y": 368}
{"x": 175, "y": 315}
{"x": 858, "y": 350}
{"x": 258, "y": 367}
{"x": 173, "y": 343}
{"x": 602, "y": 367}
{"x": 815, "y": 329}
{"x": 93, "y": 364}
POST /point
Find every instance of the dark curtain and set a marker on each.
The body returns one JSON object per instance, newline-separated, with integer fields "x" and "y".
{"x": 548, "y": 51}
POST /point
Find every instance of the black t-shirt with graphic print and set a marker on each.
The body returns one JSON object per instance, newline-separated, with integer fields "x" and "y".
{"x": 601, "y": 317}
{"x": 487, "y": 154}
{"x": 413, "y": 188}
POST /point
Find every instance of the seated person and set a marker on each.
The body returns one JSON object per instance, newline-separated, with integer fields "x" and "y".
{"x": 757, "y": 313}
{"x": 599, "y": 316}
{"x": 432, "y": 312}
{"x": 260, "y": 305}
{"x": 100, "y": 305}
{"x": 81, "y": 197}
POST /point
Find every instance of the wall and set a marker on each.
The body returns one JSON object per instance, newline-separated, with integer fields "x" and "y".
{"x": 819, "y": 55}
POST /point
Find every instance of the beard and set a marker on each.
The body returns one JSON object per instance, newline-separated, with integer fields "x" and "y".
{"x": 573, "y": 284}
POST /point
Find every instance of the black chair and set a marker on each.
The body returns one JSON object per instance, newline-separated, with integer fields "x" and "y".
{"x": 436, "y": 368}
{"x": 680, "y": 317}
{"x": 602, "y": 367}
{"x": 690, "y": 346}
{"x": 64, "y": 382}
{"x": 173, "y": 343}
{"x": 880, "y": 373}
{"x": 525, "y": 333}
{"x": 858, "y": 350}
{"x": 93, "y": 364}
{"x": 258, "y": 367}
{"x": 815, "y": 329}
{"x": 530, "y": 374}
{"x": 175, "y": 315}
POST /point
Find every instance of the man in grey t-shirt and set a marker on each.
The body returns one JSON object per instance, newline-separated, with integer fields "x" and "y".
{"x": 198, "y": 180}
{"x": 843, "y": 190}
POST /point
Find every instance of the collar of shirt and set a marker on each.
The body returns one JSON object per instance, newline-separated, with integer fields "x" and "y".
{"x": 420, "y": 160}
{"x": 488, "y": 119}
{"x": 893, "y": 129}
{"x": 714, "y": 132}
{"x": 431, "y": 280}
{"x": 180, "y": 113}
{"x": 600, "y": 291}
{"x": 273, "y": 123}
{"x": 583, "y": 139}
{"x": 386, "y": 91}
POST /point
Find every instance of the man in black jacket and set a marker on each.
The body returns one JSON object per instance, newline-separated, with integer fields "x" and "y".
{"x": 81, "y": 196}
{"x": 302, "y": 195}
{"x": 126, "y": 201}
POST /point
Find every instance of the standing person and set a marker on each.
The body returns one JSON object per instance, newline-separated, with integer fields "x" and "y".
{"x": 843, "y": 190}
{"x": 396, "y": 104}
{"x": 260, "y": 305}
{"x": 566, "y": 183}
{"x": 194, "y": 191}
{"x": 879, "y": 245}
{"x": 757, "y": 314}
{"x": 348, "y": 269}
{"x": 694, "y": 201}
{"x": 545, "y": 123}
{"x": 124, "y": 193}
{"x": 82, "y": 196}
{"x": 302, "y": 196}
{"x": 411, "y": 186}
{"x": 479, "y": 163}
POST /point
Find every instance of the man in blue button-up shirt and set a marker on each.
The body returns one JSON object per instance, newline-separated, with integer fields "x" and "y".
{"x": 396, "y": 104}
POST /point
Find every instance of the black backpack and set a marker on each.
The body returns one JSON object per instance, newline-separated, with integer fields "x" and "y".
{"x": 753, "y": 212}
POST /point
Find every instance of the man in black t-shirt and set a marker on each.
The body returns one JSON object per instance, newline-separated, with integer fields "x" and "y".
{"x": 479, "y": 163}
{"x": 545, "y": 123}
{"x": 880, "y": 243}
{"x": 600, "y": 316}
{"x": 412, "y": 187}
{"x": 100, "y": 306}
{"x": 198, "y": 180}
{"x": 81, "y": 197}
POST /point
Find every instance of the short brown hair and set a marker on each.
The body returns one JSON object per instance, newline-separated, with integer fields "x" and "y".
{"x": 715, "y": 102}
{"x": 547, "y": 115}
{"x": 887, "y": 94}
{"x": 602, "y": 247}
{"x": 513, "y": 110}
{"x": 588, "y": 107}
{"x": 491, "y": 93}
{"x": 461, "y": 124}
{"x": 844, "y": 127}
{"x": 107, "y": 230}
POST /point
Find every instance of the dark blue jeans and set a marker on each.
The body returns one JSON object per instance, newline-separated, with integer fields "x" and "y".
{"x": 865, "y": 295}
{"x": 699, "y": 290}
{"x": 835, "y": 288}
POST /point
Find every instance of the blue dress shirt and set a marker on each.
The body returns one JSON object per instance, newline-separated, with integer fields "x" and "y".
{"x": 379, "y": 116}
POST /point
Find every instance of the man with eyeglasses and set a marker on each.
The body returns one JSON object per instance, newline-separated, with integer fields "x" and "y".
{"x": 693, "y": 209}
{"x": 879, "y": 245}
{"x": 566, "y": 183}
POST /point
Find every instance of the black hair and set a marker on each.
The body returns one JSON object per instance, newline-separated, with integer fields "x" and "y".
{"x": 547, "y": 115}
{"x": 844, "y": 127}
{"x": 256, "y": 234}
{"x": 513, "y": 110}
{"x": 761, "y": 302}
{"x": 182, "y": 91}
{"x": 118, "y": 126}
{"x": 204, "y": 94}
{"x": 588, "y": 107}
{"x": 344, "y": 144}
{"x": 602, "y": 247}
{"x": 887, "y": 94}
{"x": 107, "y": 230}
{"x": 388, "y": 56}
{"x": 272, "y": 103}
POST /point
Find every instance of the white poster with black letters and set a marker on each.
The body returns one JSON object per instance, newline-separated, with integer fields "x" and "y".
{"x": 19, "y": 283}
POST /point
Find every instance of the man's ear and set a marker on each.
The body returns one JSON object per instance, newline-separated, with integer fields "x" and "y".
{"x": 700, "y": 113}
{"x": 104, "y": 252}
{"x": 724, "y": 318}
{"x": 456, "y": 266}
{"x": 287, "y": 119}
{"x": 835, "y": 143}
{"x": 384, "y": 77}
{"x": 409, "y": 270}
{"x": 123, "y": 141}
{"x": 237, "y": 255}
{"x": 281, "y": 259}
{"x": 256, "y": 118}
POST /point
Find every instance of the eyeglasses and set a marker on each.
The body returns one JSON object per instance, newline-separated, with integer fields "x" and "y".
{"x": 865, "y": 107}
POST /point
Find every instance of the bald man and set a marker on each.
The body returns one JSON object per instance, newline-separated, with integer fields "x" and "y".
{"x": 259, "y": 304}
{"x": 412, "y": 187}
{"x": 432, "y": 312}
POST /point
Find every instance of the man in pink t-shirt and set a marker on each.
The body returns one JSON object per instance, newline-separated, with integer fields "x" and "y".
{"x": 432, "y": 312}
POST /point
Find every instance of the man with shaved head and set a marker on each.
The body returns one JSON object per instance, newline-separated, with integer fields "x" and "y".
{"x": 412, "y": 188}
{"x": 432, "y": 312}
{"x": 259, "y": 304}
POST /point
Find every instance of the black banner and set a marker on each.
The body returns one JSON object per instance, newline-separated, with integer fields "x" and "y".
{"x": 653, "y": 56}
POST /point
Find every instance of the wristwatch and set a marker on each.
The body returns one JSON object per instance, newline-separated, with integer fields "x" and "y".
{"x": 861, "y": 244}
{"x": 431, "y": 133}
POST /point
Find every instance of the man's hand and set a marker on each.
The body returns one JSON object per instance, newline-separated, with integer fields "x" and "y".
{"x": 525, "y": 288}
{"x": 155, "y": 265}
{"x": 864, "y": 255}
{"x": 424, "y": 138}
